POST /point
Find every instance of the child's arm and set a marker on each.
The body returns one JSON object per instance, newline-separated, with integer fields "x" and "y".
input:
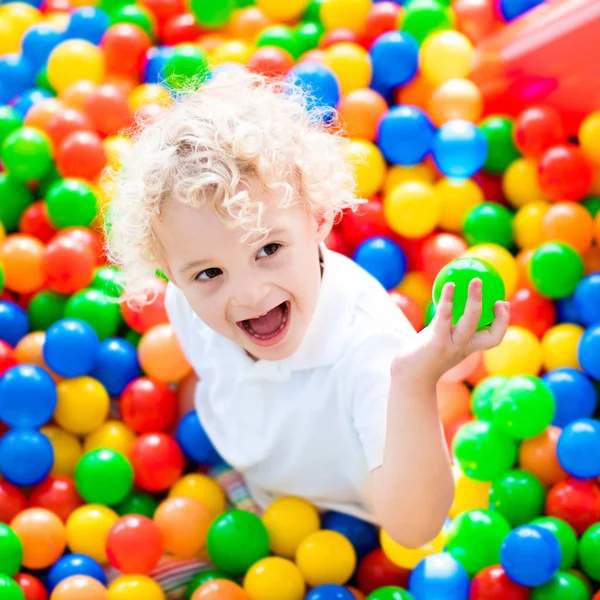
{"x": 413, "y": 489}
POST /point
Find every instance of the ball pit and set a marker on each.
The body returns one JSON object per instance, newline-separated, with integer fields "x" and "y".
{"x": 102, "y": 462}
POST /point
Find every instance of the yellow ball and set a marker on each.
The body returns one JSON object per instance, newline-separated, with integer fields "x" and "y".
{"x": 345, "y": 14}
{"x": 417, "y": 286}
{"x": 21, "y": 16}
{"x": 412, "y": 209}
{"x": 502, "y": 260}
{"x": 326, "y": 557}
{"x": 274, "y": 578}
{"x": 455, "y": 99}
{"x": 408, "y": 558}
{"x": 351, "y": 64}
{"x": 369, "y": 166}
{"x": 469, "y": 494}
{"x": 559, "y": 346}
{"x": 117, "y": 148}
{"x": 289, "y": 521}
{"x": 114, "y": 435}
{"x": 72, "y": 61}
{"x": 201, "y": 488}
{"x": 520, "y": 183}
{"x": 135, "y": 587}
{"x": 149, "y": 93}
{"x": 235, "y": 51}
{"x": 67, "y": 450}
{"x": 87, "y": 530}
{"x": 519, "y": 353}
{"x": 77, "y": 3}
{"x": 589, "y": 136}
{"x": 398, "y": 174}
{"x": 10, "y": 39}
{"x": 446, "y": 55}
{"x": 277, "y": 10}
{"x": 457, "y": 198}
{"x": 83, "y": 405}
{"x": 527, "y": 224}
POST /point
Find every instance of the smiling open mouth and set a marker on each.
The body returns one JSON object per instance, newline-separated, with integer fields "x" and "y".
{"x": 270, "y": 327}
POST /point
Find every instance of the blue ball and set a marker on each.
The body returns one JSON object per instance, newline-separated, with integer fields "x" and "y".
{"x": 395, "y": 58}
{"x": 405, "y": 135}
{"x": 566, "y": 311}
{"x": 383, "y": 259}
{"x": 30, "y": 98}
{"x": 589, "y": 351}
{"x": 116, "y": 365}
{"x": 587, "y": 299}
{"x": 319, "y": 84}
{"x": 194, "y": 441}
{"x": 578, "y": 449}
{"x": 530, "y": 555}
{"x": 27, "y": 397}
{"x": 574, "y": 394}
{"x": 71, "y": 347}
{"x": 14, "y": 323}
{"x": 87, "y": 23}
{"x": 156, "y": 59}
{"x": 459, "y": 149}
{"x": 16, "y": 76}
{"x": 439, "y": 577}
{"x": 26, "y": 457}
{"x": 362, "y": 535}
{"x": 34, "y": 3}
{"x": 511, "y": 9}
{"x": 329, "y": 591}
{"x": 75, "y": 564}
{"x": 39, "y": 41}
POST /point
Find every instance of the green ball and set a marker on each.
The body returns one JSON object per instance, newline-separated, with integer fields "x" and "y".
{"x": 105, "y": 280}
{"x": 390, "y": 592}
{"x": 46, "y": 182}
{"x": 135, "y": 15}
{"x": 312, "y": 14}
{"x": 9, "y": 589}
{"x": 27, "y": 154}
{"x": 11, "y": 551}
{"x": 429, "y": 313}
{"x": 201, "y": 578}
{"x": 280, "y": 36}
{"x": 103, "y": 476}
{"x": 424, "y": 17}
{"x": 71, "y": 203}
{"x": 475, "y": 537}
{"x": 589, "y": 552}
{"x": 187, "y": 62}
{"x": 566, "y": 536}
{"x": 481, "y": 398}
{"x": 482, "y": 451}
{"x": 15, "y": 197}
{"x": 592, "y": 204}
{"x": 45, "y": 308}
{"x": 137, "y": 503}
{"x": 97, "y": 309}
{"x": 555, "y": 269}
{"x": 213, "y": 14}
{"x": 461, "y": 272}
{"x": 308, "y": 35}
{"x": 9, "y": 121}
{"x": 563, "y": 586}
{"x": 43, "y": 83}
{"x": 133, "y": 337}
{"x": 498, "y": 131}
{"x": 523, "y": 407}
{"x": 518, "y": 496}
{"x": 236, "y": 540}
{"x": 110, "y": 6}
{"x": 489, "y": 223}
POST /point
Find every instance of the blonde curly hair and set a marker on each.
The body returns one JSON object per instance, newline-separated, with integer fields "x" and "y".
{"x": 207, "y": 146}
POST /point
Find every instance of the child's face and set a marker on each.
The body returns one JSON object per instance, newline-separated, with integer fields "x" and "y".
{"x": 262, "y": 295}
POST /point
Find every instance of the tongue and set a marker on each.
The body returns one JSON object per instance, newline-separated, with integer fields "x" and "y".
{"x": 267, "y": 324}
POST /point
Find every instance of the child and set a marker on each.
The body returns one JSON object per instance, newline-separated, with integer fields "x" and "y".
{"x": 312, "y": 381}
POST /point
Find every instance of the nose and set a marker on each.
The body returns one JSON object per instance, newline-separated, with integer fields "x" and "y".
{"x": 249, "y": 293}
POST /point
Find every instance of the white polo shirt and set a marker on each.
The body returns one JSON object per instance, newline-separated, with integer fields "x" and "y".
{"x": 314, "y": 424}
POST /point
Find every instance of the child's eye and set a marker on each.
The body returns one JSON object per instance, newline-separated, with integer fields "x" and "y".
{"x": 208, "y": 274}
{"x": 268, "y": 250}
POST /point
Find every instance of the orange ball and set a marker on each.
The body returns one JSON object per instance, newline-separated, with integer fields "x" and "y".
{"x": 360, "y": 112}
{"x": 29, "y": 350}
{"x": 591, "y": 260}
{"x": 161, "y": 356}
{"x": 76, "y": 95}
{"x": 247, "y": 23}
{"x": 538, "y": 456}
{"x": 523, "y": 259}
{"x": 358, "y": 595}
{"x": 22, "y": 257}
{"x": 40, "y": 114}
{"x": 416, "y": 92}
{"x": 455, "y": 99}
{"x": 568, "y": 222}
{"x": 597, "y": 228}
{"x": 79, "y": 587}
{"x": 454, "y": 402}
{"x": 184, "y": 524}
{"x": 43, "y": 536}
{"x": 220, "y": 589}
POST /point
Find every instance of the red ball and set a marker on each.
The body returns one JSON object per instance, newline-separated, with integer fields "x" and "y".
{"x": 438, "y": 250}
{"x": 54, "y": 6}
{"x": 335, "y": 36}
{"x": 35, "y": 222}
{"x": 565, "y": 173}
{"x": 57, "y": 494}
{"x": 134, "y": 544}
{"x": 12, "y": 501}
{"x": 536, "y": 129}
{"x": 366, "y": 222}
{"x": 382, "y": 17}
{"x": 88, "y": 237}
{"x": 411, "y": 308}
{"x": 68, "y": 265}
{"x": 532, "y": 311}
{"x": 491, "y": 186}
{"x": 157, "y": 461}
{"x": 494, "y": 584}
{"x": 270, "y": 61}
{"x": 32, "y": 588}
{"x": 81, "y": 155}
{"x": 143, "y": 318}
{"x": 124, "y": 46}
{"x": 108, "y": 109}
{"x": 377, "y": 570}
{"x": 163, "y": 10}
{"x": 148, "y": 405}
{"x": 65, "y": 123}
{"x": 575, "y": 501}
{"x": 335, "y": 241}
{"x": 7, "y": 357}
{"x": 180, "y": 29}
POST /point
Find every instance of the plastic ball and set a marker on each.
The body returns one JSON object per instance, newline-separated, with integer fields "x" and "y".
{"x": 56, "y": 494}
{"x": 79, "y": 586}
{"x": 116, "y": 365}
{"x": 9, "y": 589}
{"x": 345, "y": 14}
{"x": 74, "y": 60}
{"x": 108, "y": 109}
{"x": 204, "y": 489}
{"x": 274, "y": 578}
{"x": 330, "y": 591}
{"x": 409, "y": 558}
{"x": 148, "y": 406}
{"x": 458, "y": 197}
{"x": 16, "y": 197}
{"x": 157, "y": 461}
{"x": 124, "y": 46}
{"x": 566, "y": 538}
{"x": 556, "y": 269}
{"x": 411, "y": 309}
{"x": 32, "y": 588}
{"x": 318, "y": 82}
{"x": 536, "y": 129}
{"x": 589, "y": 552}
{"x": 194, "y": 441}
{"x": 565, "y": 173}
{"x": 351, "y": 64}
{"x": 26, "y": 456}
{"x": 574, "y": 394}
{"x": 488, "y": 223}
{"x": 519, "y": 496}
{"x": 66, "y": 448}
{"x": 538, "y": 456}
{"x": 270, "y": 61}
{"x": 14, "y": 324}
{"x": 143, "y": 318}
{"x": 570, "y": 223}
{"x": 455, "y": 99}
{"x": 578, "y": 448}
{"x": 519, "y": 353}
{"x": 362, "y": 535}
{"x": 87, "y": 530}
{"x": 137, "y": 503}
{"x": 12, "y": 501}
{"x": 527, "y": 224}
{"x": 97, "y": 309}
{"x": 220, "y": 589}
{"x": 424, "y": 17}
{"x": 81, "y": 155}
{"x": 469, "y": 494}
{"x": 88, "y": 23}
{"x": 22, "y": 257}
{"x": 83, "y": 405}
{"x": 11, "y": 551}
{"x": 494, "y": 584}
{"x": 587, "y": 297}
{"x": 376, "y": 570}
{"x": 530, "y": 310}
{"x": 27, "y": 397}
{"x": 395, "y": 57}
{"x": 588, "y": 136}
{"x": 589, "y": 346}
{"x": 71, "y": 202}
{"x": 368, "y": 165}
{"x": 439, "y": 574}
{"x": 112, "y": 435}
{"x": 161, "y": 356}
{"x": 35, "y": 222}
{"x": 27, "y": 154}
{"x": 446, "y": 55}
{"x": 382, "y": 258}
{"x": 412, "y": 209}
{"x": 16, "y": 74}
{"x": 520, "y": 183}
{"x": 559, "y": 346}
{"x": 562, "y": 585}
{"x": 530, "y": 555}
{"x": 459, "y": 149}
{"x": 575, "y": 501}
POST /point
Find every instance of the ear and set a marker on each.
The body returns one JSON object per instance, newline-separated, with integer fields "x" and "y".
{"x": 324, "y": 226}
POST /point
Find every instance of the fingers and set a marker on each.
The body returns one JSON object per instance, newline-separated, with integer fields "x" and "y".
{"x": 467, "y": 326}
{"x": 442, "y": 322}
{"x": 489, "y": 338}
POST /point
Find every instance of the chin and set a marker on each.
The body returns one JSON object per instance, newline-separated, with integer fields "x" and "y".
{"x": 281, "y": 351}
